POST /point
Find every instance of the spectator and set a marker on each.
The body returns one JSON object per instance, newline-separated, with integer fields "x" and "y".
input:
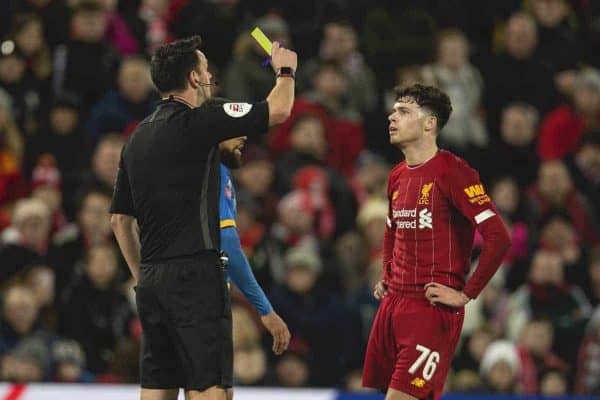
{"x": 554, "y": 384}
{"x": 393, "y": 33}
{"x": 548, "y": 295}
{"x": 69, "y": 360}
{"x": 62, "y": 138}
{"x": 292, "y": 369}
{"x": 554, "y": 191}
{"x": 473, "y": 349}
{"x": 118, "y": 32}
{"x": 344, "y": 136}
{"x": 150, "y": 24}
{"x": 256, "y": 179}
{"x": 105, "y": 162}
{"x": 370, "y": 177}
{"x": 246, "y": 79}
{"x": 465, "y": 131}
{"x": 24, "y": 96}
{"x": 91, "y": 228}
{"x": 46, "y": 186}
{"x": 250, "y": 360}
{"x": 20, "y": 312}
{"x": 122, "y": 109}
{"x": 585, "y": 168}
{"x": 40, "y": 279}
{"x": 593, "y": 282}
{"x": 340, "y": 44}
{"x": 515, "y": 148}
{"x": 85, "y": 64}
{"x": 11, "y": 155}
{"x": 490, "y": 309}
{"x": 558, "y": 47}
{"x": 309, "y": 148}
{"x": 524, "y": 77}
{"x": 54, "y": 14}
{"x": 371, "y": 221}
{"x": 312, "y": 314}
{"x": 93, "y": 303}
{"x": 536, "y": 356}
{"x": 211, "y": 19}
{"x": 587, "y": 381}
{"x": 28, "y": 34}
{"x": 557, "y": 234}
{"x": 500, "y": 367}
{"x": 562, "y": 129}
{"x": 28, "y": 362}
{"x": 26, "y": 241}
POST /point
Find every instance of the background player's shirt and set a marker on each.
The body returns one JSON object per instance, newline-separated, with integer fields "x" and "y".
{"x": 433, "y": 212}
{"x": 227, "y": 203}
{"x": 239, "y": 269}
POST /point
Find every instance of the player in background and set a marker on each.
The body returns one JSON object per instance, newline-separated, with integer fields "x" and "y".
{"x": 238, "y": 268}
{"x": 436, "y": 201}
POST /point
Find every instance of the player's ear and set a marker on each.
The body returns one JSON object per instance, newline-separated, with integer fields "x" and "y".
{"x": 430, "y": 123}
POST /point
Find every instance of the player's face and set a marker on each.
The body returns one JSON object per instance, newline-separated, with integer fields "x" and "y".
{"x": 231, "y": 151}
{"x": 406, "y": 122}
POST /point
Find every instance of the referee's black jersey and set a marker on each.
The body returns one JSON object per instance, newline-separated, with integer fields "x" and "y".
{"x": 169, "y": 174}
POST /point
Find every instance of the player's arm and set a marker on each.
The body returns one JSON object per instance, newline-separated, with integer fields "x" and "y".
{"x": 467, "y": 194}
{"x": 123, "y": 222}
{"x": 242, "y": 276}
{"x": 388, "y": 245}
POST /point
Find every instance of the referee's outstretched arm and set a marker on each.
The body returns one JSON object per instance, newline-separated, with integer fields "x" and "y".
{"x": 281, "y": 98}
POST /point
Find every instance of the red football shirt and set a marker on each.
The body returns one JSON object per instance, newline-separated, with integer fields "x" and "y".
{"x": 434, "y": 209}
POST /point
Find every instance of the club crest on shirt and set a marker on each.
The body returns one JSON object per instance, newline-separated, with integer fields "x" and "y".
{"x": 237, "y": 110}
{"x": 425, "y": 192}
{"x": 476, "y": 194}
{"x": 394, "y": 195}
{"x": 229, "y": 189}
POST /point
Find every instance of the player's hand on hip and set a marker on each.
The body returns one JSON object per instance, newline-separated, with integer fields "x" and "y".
{"x": 439, "y": 294}
{"x": 279, "y": 330}
{"x": 281, "y": 57}
{"x": 380, "y": 290}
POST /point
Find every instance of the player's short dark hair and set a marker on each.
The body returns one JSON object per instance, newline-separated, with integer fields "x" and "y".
{"x": 429, "y": 97}
{"x": 171, "y": 63}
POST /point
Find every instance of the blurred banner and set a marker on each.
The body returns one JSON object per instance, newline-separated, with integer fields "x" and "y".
{"x": 131, "y": 392}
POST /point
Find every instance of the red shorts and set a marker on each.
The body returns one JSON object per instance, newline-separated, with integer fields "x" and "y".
{"x": 411, "y": 346}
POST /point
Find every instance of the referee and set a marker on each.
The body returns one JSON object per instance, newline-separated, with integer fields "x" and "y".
{"x": 168, "y": 185}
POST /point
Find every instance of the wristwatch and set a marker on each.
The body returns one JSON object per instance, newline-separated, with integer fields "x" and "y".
{"x": 286, "y": 72}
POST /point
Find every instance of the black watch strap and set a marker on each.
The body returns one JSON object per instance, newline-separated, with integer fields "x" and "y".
{"x": 286, "y": 72}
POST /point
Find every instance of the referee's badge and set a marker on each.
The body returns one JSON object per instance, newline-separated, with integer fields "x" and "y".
{"x": 237, "y": 110}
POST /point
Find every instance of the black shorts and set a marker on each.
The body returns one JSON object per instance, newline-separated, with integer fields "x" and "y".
{"x": 185, "y": 313}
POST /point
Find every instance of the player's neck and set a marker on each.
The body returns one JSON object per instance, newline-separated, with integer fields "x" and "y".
{"x": 418, "y": 153}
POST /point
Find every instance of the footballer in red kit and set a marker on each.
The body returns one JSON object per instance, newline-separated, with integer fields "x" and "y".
{"x": 436, "y": 202}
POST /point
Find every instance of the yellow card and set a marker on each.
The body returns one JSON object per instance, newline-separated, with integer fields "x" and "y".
{"x": 263, "y": 40}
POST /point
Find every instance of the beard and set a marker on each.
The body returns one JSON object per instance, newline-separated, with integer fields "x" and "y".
{"x": 232, "y": 159}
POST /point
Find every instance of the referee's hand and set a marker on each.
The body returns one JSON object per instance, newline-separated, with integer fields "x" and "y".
{"x": 281, "y": 57}
{"x": 279, "y": 330}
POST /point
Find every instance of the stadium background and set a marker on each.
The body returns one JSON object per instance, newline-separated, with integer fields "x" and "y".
{"x": 525, "y": 88}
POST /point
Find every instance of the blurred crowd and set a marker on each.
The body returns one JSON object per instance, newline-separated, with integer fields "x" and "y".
{"x": 525, "y": 87}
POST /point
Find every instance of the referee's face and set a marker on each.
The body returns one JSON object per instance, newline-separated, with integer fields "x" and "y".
{"x": 231, "y": 151}
{"x": 202, "y": 81}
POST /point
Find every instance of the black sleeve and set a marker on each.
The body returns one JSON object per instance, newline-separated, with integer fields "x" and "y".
{"x": 122, "y": 201}
{"x": 215, "y": 122}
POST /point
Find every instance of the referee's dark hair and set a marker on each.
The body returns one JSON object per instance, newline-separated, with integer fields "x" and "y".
{"x": 171, "y": 63}
{"x": 429, "y": 97}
